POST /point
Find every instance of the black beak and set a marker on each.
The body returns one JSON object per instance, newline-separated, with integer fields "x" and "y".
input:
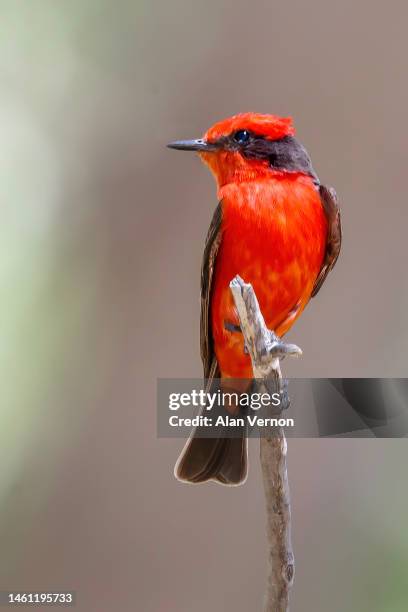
{"x": 193, "y": 145}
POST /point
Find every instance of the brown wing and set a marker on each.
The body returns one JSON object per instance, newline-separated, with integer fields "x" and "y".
{"x": 212, "y": 244}
{"x": 222, "y": 459}
{"x": 331, "y": 208}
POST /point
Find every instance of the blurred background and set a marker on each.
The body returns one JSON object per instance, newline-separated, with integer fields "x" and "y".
{"x": 101, "y": 237}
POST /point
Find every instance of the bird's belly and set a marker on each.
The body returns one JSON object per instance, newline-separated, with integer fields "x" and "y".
{"x": 282, "y": 267}
{"x": 282, "y": 295}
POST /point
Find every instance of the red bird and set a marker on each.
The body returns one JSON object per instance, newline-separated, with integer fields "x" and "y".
{"x": 279, "y": 229}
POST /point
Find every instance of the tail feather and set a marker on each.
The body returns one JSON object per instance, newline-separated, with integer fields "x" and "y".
{"x": 221, "y": 459}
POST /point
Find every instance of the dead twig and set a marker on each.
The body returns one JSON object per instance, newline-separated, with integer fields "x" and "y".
{"x": 266, "y": 351}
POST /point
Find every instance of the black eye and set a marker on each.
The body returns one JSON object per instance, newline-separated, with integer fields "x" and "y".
{"x": 242, "y": 136}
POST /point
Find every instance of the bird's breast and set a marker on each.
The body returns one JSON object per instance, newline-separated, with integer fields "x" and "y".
{"x": 274, "y": 236}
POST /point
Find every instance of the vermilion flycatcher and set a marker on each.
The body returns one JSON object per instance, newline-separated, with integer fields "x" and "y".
{"x": 279, "y": 229}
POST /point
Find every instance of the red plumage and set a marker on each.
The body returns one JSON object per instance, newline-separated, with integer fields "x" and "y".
{"x": 274, "y": 236}
{"x": 279, "y": 229}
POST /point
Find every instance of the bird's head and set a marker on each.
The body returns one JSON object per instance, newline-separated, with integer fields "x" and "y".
{"x": 249, "y": 146}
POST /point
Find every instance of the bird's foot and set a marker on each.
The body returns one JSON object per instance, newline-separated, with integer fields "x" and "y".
{"x": 234, "y": 328}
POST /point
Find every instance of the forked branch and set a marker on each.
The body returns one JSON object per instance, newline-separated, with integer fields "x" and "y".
{"x": 266, "y": 351}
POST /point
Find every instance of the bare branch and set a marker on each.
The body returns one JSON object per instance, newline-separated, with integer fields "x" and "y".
{"x": 266, "y": 351}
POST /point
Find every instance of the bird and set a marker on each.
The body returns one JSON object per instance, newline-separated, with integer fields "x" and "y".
{"x": 277, "y": 227}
